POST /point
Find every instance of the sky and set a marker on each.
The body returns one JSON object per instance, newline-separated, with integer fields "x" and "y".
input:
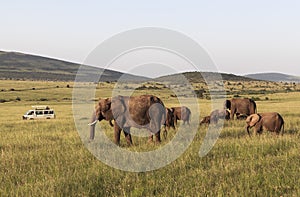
{"x": 241, "y": 37}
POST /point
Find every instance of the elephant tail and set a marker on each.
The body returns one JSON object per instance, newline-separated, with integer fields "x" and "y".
{"x": 189, "y": 116}
{"x": 282, "y": 129}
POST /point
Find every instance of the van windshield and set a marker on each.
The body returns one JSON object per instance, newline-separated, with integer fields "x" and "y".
{"x": 30, "y": 112}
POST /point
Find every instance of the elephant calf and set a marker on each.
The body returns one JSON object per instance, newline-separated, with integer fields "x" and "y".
{"x": 271, "y": 121}
{"x": 219, "y": 114}
{"x": 205, "y": 120}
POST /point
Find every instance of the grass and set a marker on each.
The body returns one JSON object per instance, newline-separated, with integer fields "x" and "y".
{"x": 47, "y": 157}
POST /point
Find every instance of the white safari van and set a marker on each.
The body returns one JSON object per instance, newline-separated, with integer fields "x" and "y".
{"x": 39, "y": 112}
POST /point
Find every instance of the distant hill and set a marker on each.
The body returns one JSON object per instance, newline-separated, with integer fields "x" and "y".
{"x": 197, "y": 77}
{"x": 274, "y": 77}
{"x": 15, "y": 65}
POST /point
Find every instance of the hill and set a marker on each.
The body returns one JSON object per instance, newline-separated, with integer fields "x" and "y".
{"x": 276, "y": 77}
{"x": 197, "y": 77}
{"x": 15, "y": 65}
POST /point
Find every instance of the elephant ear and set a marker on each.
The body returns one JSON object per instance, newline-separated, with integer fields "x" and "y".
{"x": 253, "y": 119}
{"x": 118, "y": 106}
{"x": 227, "y": 104}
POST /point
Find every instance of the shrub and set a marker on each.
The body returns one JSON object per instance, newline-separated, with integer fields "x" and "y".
{"x": 3, "y": 100}
{"x": 43, "y": 99}
{"x": 18, "y": 99}
{"x": 255, "y": 98}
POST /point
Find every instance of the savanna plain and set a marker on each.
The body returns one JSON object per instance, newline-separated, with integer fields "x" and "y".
{"x": 48, "y": 158}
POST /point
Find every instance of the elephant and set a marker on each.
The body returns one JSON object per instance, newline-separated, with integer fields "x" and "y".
{"x": 145, "y": 111}
{"x": 169, "y": 119}
{"x": 205, "y": 120}
{"x": 244, "y": 106}
{"x": 270, "y": 121}
{"x": 219, "y": 114}
{"x": 181, "y": 113}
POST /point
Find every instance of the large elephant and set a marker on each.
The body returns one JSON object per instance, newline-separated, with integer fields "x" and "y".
{"x": 145, "y": 111}
{"x": 181, "y": 113}
{"x": 219, "y": 114}
{"x": 271, "y": 121}
{"x": 240, "y": 106}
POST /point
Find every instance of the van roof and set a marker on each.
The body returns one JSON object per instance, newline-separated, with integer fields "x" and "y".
{"x": 40, "y": 107}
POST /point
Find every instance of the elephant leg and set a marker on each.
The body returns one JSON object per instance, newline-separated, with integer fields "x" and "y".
{"x": 165, "y": 132}
{"x": 232, "y": 115}
{"x": 157, "y": 136}
{"x": 117, "y": 133}
{"x": 127, "y": 134}
{"x": 150, "y": 139}
{"x": 175, "y": 121}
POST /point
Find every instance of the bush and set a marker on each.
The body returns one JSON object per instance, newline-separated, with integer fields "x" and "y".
{"x": 255, "y": 98}
{"x": 3, "y": 100}
{"x": 43, "y": 99}
{"x": 18, "y": 99}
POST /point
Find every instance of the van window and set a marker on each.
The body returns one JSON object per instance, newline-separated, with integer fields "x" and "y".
{"x": 39, "y": 112}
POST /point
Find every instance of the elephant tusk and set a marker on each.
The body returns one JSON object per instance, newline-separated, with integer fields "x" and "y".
{"x": 93, "y": 123}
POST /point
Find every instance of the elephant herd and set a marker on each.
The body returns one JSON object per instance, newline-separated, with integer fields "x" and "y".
{"x": 149, "y": 111}
{"x": 245, "y": 108}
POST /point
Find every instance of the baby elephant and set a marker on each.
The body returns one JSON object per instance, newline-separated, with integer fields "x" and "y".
{"x": 271, "y": 121}
{"x": 205, "y": 120}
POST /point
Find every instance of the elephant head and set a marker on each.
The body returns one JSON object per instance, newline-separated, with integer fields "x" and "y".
{"x": 102, "y": 112}
{"x": 251, "y": 121}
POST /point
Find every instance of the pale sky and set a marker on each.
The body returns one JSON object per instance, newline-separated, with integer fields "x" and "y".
{"x": 241, "y": 37}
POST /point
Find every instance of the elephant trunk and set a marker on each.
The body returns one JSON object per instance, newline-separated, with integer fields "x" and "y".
{"x": 92, "y": 126}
